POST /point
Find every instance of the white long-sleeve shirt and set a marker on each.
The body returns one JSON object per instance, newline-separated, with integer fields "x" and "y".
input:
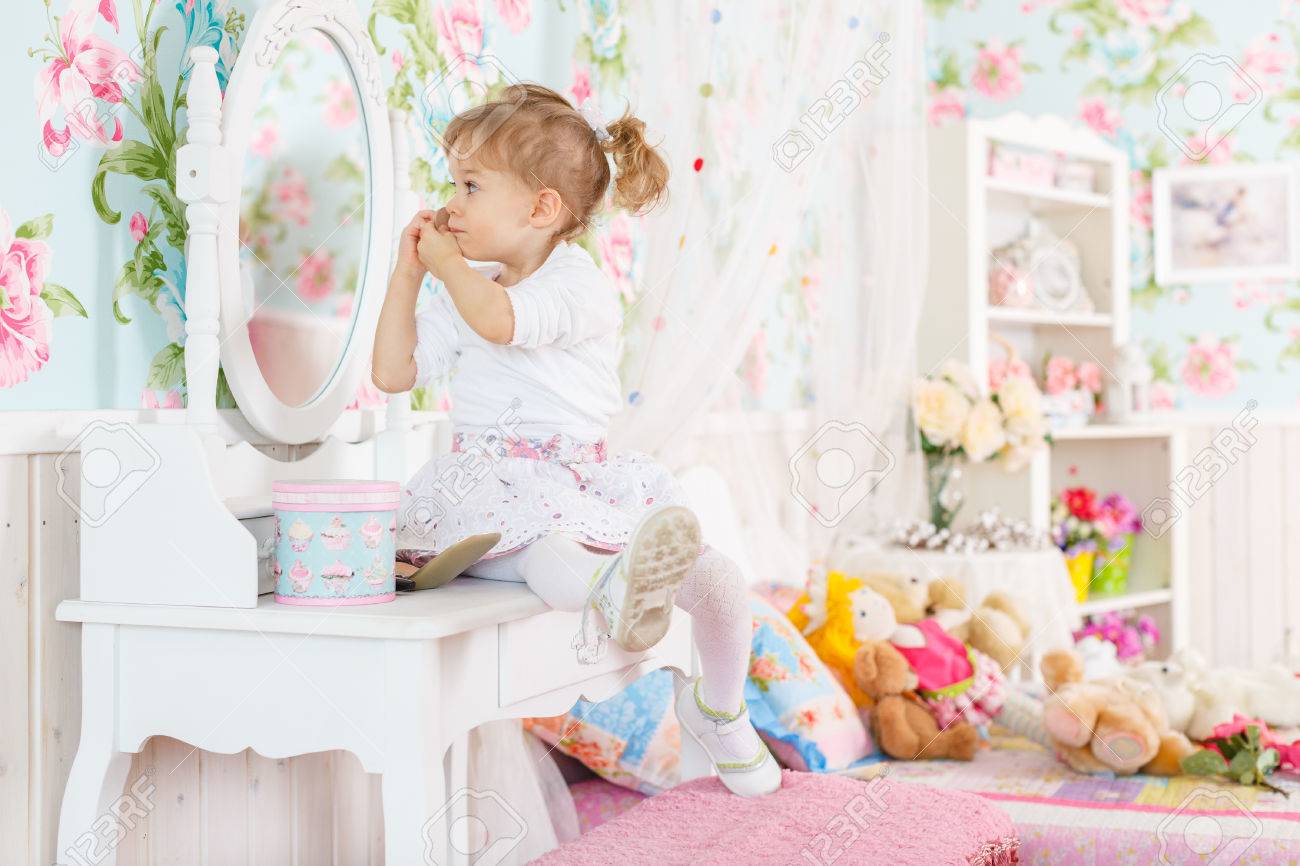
{"x": 558, "y": 374}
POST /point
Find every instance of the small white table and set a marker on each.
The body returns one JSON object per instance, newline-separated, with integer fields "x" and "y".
{"x": 396, "y": 684}
{"x": 1036, "y": 578}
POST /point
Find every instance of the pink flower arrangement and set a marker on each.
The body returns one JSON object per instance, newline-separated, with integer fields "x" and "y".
{"x": 1060, "y": 375}
{"x": 1131, "y": 639}
{"x": 1288, "y": 753}
{"x": 1210, "y": 368}
{"x": 1117, "y": 516}
{"x": 997, "y": 72}
{"x": 1002, "y": 369}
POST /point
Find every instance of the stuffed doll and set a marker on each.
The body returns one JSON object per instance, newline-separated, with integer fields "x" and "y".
{"x": 954, "y": 681}
{"x": 1198, "y": 698}
{"x": 1116, "y": 724}
{"x": 998, "y": 627}
{"x": 902, "y": 726}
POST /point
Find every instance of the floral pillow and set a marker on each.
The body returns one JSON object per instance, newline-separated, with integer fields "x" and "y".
{"x": 632, "y": 739}
{"x": 799, "y": 708}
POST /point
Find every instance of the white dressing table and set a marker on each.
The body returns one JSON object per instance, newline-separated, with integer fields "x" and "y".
{"x": 175, "y": 638}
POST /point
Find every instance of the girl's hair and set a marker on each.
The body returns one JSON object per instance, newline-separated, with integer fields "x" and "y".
{"x": 538, "y": 135}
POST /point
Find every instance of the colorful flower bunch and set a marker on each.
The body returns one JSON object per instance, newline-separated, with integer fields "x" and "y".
{"x": 1080, "y": 521}
{"x": 1074, "y": 519}
{"x": 1131, "y": 638}
{"x": 955, "y": 417}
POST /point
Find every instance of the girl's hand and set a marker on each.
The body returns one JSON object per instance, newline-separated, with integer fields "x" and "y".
{"x": 408, "y": 258}
{"x": 437, "y": 247}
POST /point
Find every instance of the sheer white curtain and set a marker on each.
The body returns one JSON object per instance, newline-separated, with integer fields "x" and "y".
{"x": 718, "y": 252}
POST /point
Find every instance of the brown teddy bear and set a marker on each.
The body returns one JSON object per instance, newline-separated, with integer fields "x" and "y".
{"x": 1115, "y": 724}
{"x": 902, "y": 726}
{"x": 998, "y": 627}
{"x": 906, "y": 594}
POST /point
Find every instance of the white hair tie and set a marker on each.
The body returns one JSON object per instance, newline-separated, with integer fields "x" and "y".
{"x": 590, "y": 111}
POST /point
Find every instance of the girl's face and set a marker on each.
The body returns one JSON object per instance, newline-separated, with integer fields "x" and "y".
{"x": 489, "y": 212}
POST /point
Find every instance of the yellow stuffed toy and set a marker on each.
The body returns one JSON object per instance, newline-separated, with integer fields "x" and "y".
{"x": 825, "y": 614}
{"x": 829, "y": 607}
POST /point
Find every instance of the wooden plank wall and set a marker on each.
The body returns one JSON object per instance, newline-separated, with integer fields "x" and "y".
{"x": 214, "y": 810}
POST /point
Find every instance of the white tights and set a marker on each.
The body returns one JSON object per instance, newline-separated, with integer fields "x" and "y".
{"x": 560, "y": 570}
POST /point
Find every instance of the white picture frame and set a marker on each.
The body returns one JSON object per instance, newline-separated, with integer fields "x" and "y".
{"x": 1226, "y": 223}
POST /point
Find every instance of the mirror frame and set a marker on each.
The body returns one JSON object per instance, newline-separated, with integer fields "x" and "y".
{"x": 272, "y": 28}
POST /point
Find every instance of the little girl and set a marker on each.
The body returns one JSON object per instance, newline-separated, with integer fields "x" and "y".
{"x": 534, "y": 341}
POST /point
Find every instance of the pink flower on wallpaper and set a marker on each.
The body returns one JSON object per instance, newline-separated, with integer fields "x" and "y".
{"x": 1247, "y": 294}
{"x": 315, "y": 276}
{"x": 149, "y": 399}
{"x": 1268, "y": 62}
{"x": 581, "y": 88}
{"x": 1210, "y": 368}
{"x": 88, "y": 69}
{"x": 947, "y": 104}
{"x": 343, "y": 309}
{"x": 1140, "y": 206}
{"x": 516, "y": 13}
{"x": 1002, "y": 369}
{"x": 139, "y": 226}
{"x": 460, "y": 35}
{"x": 265, "y": 140}
{"x": 997, "y": 71}
{"x": 1163, "y": 396}
{"x": 1100, "y": 117}
{"x": 24, "y": 318}
{"x": 291, "y": 192}
{"x": 1060, "y": 375}
{"x": 340, "y": 103}
{"x": 108, "y": 9}
{"x": 1220, "y": 150}
{"x": 615, "y": 245}
{"x": 399, "y": 60}
{"x": 1163, "y": 15}
{"x": 756, "y": 363}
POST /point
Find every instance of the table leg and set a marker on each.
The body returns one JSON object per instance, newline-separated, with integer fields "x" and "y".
{"x": 458, "y": 849}
{"x": 90, "y": 816}
{"x": 413, "y": 783}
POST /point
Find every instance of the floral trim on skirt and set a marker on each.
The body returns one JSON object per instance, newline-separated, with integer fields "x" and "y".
{"x": 527, "y": 488}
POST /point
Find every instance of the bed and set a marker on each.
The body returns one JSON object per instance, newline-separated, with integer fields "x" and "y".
{"x": 1066, "y": 818}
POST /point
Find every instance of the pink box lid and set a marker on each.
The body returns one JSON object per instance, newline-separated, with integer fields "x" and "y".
{"x": 335, "y": 495}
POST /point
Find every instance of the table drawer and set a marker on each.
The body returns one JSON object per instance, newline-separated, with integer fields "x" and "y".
{"x": 536, "y": 655}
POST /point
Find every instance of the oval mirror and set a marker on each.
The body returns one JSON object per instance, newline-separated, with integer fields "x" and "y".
{"x": 305, "y": 244}
{"x": 302, "y": 219}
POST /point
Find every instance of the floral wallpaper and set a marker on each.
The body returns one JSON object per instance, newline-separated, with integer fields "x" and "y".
{"x": 92, "y": 315}
{"x": 1103, "y": 63}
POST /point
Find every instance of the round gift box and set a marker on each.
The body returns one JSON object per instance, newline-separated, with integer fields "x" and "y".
{"x": 335, "y": 541}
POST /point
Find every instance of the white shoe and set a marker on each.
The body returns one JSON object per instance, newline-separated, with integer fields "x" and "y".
{"x": 634, "y": 592}
{"x": 742, "y": 760}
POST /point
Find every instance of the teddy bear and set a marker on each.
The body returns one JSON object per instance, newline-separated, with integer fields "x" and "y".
{"x": 1198, "y": 698}
{"x": 998, "y": 627}
{"x": 1116, "y": 724}
{"x": 902, "y": 726}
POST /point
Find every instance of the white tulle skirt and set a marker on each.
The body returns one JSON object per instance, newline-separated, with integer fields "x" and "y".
{"x": 526, "y": 489}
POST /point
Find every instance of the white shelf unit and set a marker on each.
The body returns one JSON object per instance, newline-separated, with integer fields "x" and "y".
{"x": 972, "y": 214}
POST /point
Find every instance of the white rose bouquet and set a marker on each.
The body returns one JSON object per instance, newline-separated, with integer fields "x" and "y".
{"x": 957, "y": 420}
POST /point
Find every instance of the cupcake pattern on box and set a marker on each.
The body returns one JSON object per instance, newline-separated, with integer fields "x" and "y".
{"x": 335, "y": 556}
